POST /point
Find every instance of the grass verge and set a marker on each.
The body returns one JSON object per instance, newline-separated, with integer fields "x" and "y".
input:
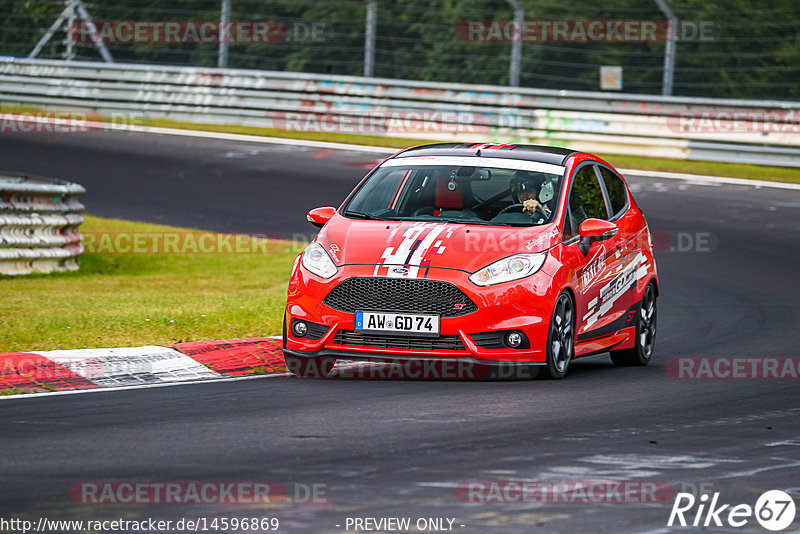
{"x": 149, "y": 298}
{"x": 735, "y": 170}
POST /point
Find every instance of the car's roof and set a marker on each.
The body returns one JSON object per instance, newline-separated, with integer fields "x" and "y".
{"x": 543, "y": 154}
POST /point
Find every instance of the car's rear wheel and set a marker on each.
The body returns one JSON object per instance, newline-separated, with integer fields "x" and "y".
{"x": 312, "y": 367}
{"x": 560, "y": 338}
{"x": 645, "y": 336}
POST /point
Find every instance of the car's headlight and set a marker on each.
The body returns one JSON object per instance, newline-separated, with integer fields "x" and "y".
{"x": 507, "y": 269}
{"x": 316, "y": 260}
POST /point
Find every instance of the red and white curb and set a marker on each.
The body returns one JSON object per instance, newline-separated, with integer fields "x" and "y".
{"x": 84, "y": 369}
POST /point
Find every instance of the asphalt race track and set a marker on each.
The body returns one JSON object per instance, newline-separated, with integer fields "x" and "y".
{"x": 394, "y": 448}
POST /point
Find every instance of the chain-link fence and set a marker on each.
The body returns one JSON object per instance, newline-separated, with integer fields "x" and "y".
{"x": 735, "y": 49}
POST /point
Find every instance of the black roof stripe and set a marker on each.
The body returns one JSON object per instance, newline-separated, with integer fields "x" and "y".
{"x": 539, "y": 153}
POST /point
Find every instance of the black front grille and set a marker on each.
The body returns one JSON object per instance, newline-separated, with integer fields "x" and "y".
{"x": 357, "y": 339}
{"x": 400, "y": 295}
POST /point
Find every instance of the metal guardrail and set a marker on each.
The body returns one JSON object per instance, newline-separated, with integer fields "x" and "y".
{"x": 39, "y": 220}
{"x": 742, "y": 131}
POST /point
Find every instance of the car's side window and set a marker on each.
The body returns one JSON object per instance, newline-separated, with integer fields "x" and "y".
{"x": 615, "y": 187}
{"x": 585, "y": 200}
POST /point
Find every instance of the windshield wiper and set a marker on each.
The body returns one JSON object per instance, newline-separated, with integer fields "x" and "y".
{"x": 369, "y": 217}
{"x": 466, "y": 221}
{"x": 360, "y": 215}
{"x": 488, "y": 223}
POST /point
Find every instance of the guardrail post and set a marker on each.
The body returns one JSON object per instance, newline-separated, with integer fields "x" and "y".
{"x": 224, "y": 19}
{"x": 669, "y": 50}
{"x": 369, "y": 38}
{"x": 516, "y": 45}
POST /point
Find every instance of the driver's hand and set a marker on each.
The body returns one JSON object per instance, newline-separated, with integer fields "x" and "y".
{"x": 529, "y": 206}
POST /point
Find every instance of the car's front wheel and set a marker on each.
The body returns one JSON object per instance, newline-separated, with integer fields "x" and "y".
{"x": 560, "y": 338}
{"x": 645, "y": 340}
{"x": 312, "y": 367}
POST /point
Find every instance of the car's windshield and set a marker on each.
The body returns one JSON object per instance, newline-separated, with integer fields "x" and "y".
{"x": 507, "y": 192}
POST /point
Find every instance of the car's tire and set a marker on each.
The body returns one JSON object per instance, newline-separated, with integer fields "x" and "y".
{"x": 560, "y": 338}
{"x": 645, "y": 338}
{"x": 311, "y": 367}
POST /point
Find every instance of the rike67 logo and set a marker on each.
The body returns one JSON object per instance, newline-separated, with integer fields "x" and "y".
{"x": 774, "y": 510}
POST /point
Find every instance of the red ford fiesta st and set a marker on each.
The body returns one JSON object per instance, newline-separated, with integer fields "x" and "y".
{"x": 493, "y": 255}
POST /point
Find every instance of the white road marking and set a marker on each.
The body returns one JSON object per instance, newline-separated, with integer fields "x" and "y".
{"x": 657, "y": 461}
{"x": 757, "y": 470}
{"x": 701, "y": 179}
{"x": 250, "y": 138}
{"x": 698, "y": 179}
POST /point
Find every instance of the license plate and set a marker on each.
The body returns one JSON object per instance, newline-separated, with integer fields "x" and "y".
{"x": 397, "y": 323}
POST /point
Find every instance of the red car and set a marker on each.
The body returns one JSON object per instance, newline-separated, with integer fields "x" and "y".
{"x": 493, "y": 255}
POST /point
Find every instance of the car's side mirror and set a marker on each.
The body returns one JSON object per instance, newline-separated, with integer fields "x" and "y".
{"x": 592, "y": 230}
{"x": 598, "y": 229}
{"x": 320, "y": 216}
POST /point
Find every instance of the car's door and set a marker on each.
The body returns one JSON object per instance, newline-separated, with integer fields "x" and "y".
{"x": 587, "y": 199}
{"x": 625, "y": 256}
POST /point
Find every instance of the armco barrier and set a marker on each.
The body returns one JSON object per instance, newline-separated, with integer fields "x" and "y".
{"x": 39, "y": 219}
{"x": 760, "y": 132}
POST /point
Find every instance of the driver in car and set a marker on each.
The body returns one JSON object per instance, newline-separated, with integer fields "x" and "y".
{"x": 533, "y": 191}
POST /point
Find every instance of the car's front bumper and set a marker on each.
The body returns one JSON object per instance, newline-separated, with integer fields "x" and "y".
{"x": 524, "y": 305}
